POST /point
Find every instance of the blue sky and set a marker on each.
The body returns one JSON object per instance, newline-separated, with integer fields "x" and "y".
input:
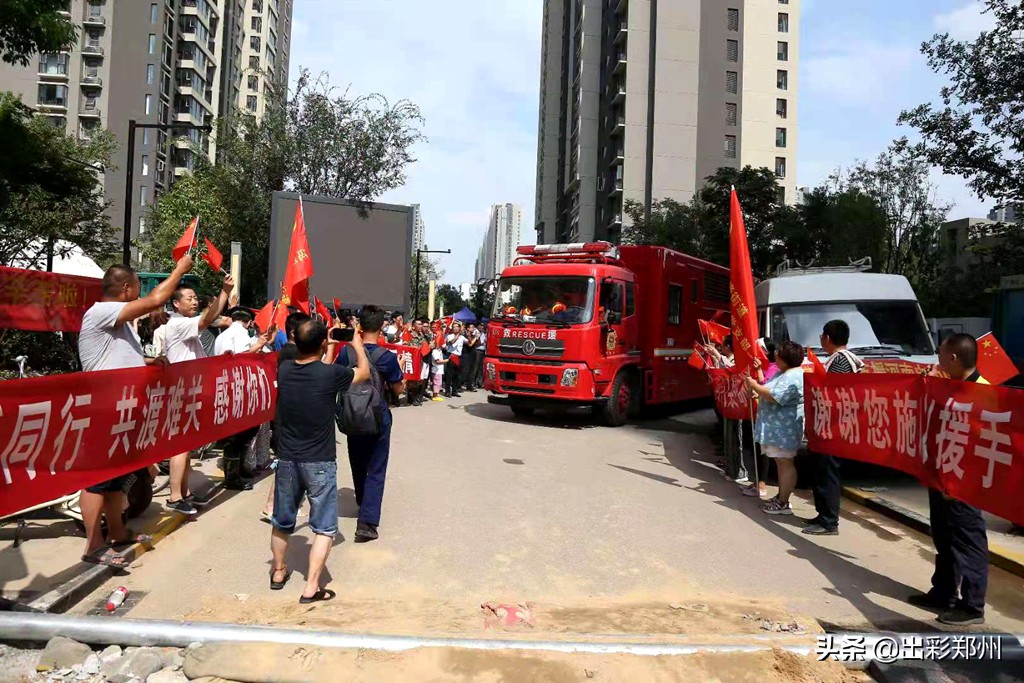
{"x": 473, "y": 66}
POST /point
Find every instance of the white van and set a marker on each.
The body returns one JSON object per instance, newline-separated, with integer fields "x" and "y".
{"x": 882, "y": 311}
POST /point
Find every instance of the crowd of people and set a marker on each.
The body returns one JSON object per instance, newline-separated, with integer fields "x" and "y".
{"x": 960, "y": 579}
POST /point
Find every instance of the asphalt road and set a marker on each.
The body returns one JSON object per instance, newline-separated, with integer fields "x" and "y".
{"x": 605, "y": 531}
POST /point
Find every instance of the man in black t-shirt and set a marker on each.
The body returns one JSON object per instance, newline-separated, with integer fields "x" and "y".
{"x": 307, "y": 390}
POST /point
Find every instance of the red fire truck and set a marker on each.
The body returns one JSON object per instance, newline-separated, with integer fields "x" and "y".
{"x": 601, "y": 326}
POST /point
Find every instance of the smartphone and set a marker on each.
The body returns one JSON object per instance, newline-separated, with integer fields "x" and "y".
{"x": 344, "y": 335}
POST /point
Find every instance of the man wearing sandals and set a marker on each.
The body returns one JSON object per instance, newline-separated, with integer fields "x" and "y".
{"x": 108, "y": 342}
{"x": 307, "y": 390}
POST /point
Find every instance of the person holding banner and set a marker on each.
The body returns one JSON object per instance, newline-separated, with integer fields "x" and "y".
{"x": 107, "y": 341}
{"x": 780, "y": 421}
{"x": 958, "y": 530}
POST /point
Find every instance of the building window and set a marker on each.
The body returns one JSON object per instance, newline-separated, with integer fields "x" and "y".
{"x": 732, "y": 82}
{"x": 53, "y": 64}
{"x": 733, "y": 20}
{"x": 780, "y": 194}
{"x": 782, "y": 79}
{"x": 730, "y": 146}
{"x": 150, "y": 74}
{"x": 254, "y": 43}
{"x": 732, "y": 50}
{"x": 143, "y": 195}
{"x": 783, "y": 2}
{"x": 152, "y": 43}
{"x": 145, "y": 137}
{"x": 250, "y": 103}
{"x": 145, "y": 164}
{"x": 254, "y": 63}
{"x": 783, "y": 51}
{"x": 256, "y": 24}
{"x": 154, "y": 13}
{"x": 783, "y": 22}
{"x": 53, "y": 95}
{"x": 781, "y": 108}
{"x": 254, "y": 83}
{"x": 149, "y": 104}
{"x": 780, "y": 137}
{"x": 257, "y": 5}
{"x": 93, "y": 38}
{"x": 675, "y": 304}
{"x": 731, "y": 109}
{"x": 95, "y": 9}
{"x": 780, "y": 167}
{"x": 90, "y": 103}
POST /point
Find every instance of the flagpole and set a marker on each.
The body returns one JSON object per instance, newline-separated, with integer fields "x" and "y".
{"x": 195, "y": 238}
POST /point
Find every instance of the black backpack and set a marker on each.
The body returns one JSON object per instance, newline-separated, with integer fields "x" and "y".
{"x": 361, "y": 408}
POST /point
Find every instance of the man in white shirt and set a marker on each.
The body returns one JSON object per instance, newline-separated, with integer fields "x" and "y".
{"x": 236, "y": 339}
{"x": 107, "y": 341}
{"x": 181, "y": 344}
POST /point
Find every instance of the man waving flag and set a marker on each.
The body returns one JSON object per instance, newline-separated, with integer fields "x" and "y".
{"x": 300, "y": 266}
{"x": 741, "y": 291}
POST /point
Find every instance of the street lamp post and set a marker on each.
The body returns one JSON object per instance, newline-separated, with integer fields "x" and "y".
{"x": 129, "y": 172}
{"x": 416, "y": 296}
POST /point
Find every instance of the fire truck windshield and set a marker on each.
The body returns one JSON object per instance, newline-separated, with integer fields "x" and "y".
{"x": 551, "y": 300}
{"x": 876, "y": 327}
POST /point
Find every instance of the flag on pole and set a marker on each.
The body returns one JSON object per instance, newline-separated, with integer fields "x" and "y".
{"x": 300, "y": 265}
{"x": 819, "y": 367}
{"x": 713, "y": 331}
{"x": 993, "y": 362}
{"x": 281, "y": 315}
{"x": 212, "y": 256}
{"x": 322, "y": 310}
{"x": 265, "y": 317}
{"x": 696, "y": 360}
{"x": 187, "y": 241}
{"x": 337, "y": 307}
{"x": 741, "y": 290}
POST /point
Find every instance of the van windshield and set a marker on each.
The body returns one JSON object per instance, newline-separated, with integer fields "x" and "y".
{"x": 566, "y": 300}
{"x": 876, "y": 327}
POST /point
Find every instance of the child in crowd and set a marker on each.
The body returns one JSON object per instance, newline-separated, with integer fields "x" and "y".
{"x": 437, "y": 364}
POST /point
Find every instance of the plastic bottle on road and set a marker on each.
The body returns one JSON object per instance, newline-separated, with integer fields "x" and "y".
{"x": 116, "y": 598}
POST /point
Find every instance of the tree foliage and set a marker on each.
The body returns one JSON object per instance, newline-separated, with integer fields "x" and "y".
{"x": 49, "y": 190}
{"x": 451, "y": 297}
{"x": 976, "y": 132}
{"x": 430, "y": 269}
{"x": 28, "y": 27}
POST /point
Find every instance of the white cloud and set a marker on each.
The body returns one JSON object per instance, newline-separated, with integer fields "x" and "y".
{"x": 966, "y": 22}
{"x": 474, "y": 69}
{"x": 858, "y": 73}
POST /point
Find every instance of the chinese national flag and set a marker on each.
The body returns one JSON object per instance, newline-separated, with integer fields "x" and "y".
{"x": 819, "y": 367}
{"x": 300, "y": 265}
{"x": 713, "y": 331}
{"x": 425, "y": 349}
{"x": 744, "y": 310}
{"x": 187, "y": 241}
{"x": 337, "y": 307}
{"x": 280, "y": 315}
{"x": 212, "y": 256}
{"x": 993, "y": 363}
{"x": 321, "y": 310}
{"x": 265, "y": 316}
{"x": 696, "y": 360}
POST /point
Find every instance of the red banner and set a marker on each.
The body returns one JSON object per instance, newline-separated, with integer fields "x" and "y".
{"x": 37, "y": 301}
{"x": 957, "y": 437}
{"x": 62, "y": 433}
{"x": 732, "y": 397}
{"x": 410, "y": 360}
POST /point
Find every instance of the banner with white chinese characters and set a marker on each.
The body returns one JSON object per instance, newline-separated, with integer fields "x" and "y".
{"x": 62, "y": 433}
{"x": 961, "y": 438}
{"x": 409, "y": 359}
{"x": 732, "y": 397}
{"x": 45, "y": 302}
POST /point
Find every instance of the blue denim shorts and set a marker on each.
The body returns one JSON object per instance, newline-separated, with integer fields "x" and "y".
{"x": 319, "y": 482}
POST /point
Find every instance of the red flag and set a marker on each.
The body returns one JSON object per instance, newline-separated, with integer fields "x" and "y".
{"x": 425, "y": 349}
{"x": 187, "y": 241}
{"x": 337, "y": 307}
{"x": 744, "y": 310}
{"x": 696, "y": 360}
{"x": 280, "y": 315}
{"x": 993, "y": 362}
{"x": 713, "y": 331}
{"x": 212, "y": 256}
{"x": 300, "y": 266}
{"x": 265, "y": 316}
{"x": 322, "y": 310}
{"x": 819, "y": 367}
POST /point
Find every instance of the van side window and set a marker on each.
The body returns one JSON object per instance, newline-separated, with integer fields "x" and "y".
{"x": 630, "y": 299}
{"x": 675, "y": 304}
{"x": 693, "y": 291}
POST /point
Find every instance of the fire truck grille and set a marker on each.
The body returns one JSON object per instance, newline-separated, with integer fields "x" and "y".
{"x": 551, "y": 348}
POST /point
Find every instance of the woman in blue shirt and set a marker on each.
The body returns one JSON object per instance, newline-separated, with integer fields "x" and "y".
{"x": 780, "y": 421}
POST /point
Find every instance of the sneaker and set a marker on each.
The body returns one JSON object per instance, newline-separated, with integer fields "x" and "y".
{"x": 742, "y": 481}
{"x": 182, "y": 507}
{"x": 366, "y": 532}
{"x": 815, "y": 521}
{"x": 195, "y": 502}
{"x": 754, "y": 492}
{"x": 818, "y": 530}
{"x": 777, "y": 507}
{"x": 962, "y": 616}
{"x": 930, "y": 602}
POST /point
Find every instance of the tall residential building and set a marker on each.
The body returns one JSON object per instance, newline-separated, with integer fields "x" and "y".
{"x": 419, "y": 230}
{"x": 154, "y": 61}
{"x": 643, "y": 99}
{"x": 266, "y": 51}
{"x": 498, "y": 249}
{"x": 1007, "y": 213}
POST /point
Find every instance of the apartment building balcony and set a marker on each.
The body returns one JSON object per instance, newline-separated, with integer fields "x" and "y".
{"x": 621, "y": 7}
{"x": 620, "y": 63}
{"x": 89, "y": 112}
{"x": 95, "y": 50}
{"x": 622, "y": 32}
{"x": 49, "y": 73}
{"x": 94, "y": 20}
{"x": 89, "y": 81}
{"x": 618, "y": 125}
{"x": 618, "y": 154}
{"x": 618, "y": 94}
{"x": 616, "y": 222}
{"x": 54, "y": 106}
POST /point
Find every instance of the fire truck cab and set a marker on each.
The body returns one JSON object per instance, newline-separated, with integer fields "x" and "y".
{"x": 591, "y": 324}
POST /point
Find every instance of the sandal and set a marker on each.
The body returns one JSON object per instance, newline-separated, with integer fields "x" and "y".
{"x": 278, "y": 585}
{"x": 105, "y": 555}
{"x": 322, "y": 595}
{"x": 144, "y": 539}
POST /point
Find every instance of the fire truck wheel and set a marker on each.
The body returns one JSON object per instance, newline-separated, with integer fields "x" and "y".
{"x": 523, "y": 411}
{"x": 621, "y": 402}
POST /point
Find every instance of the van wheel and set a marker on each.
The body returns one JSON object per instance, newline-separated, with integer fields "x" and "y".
{"x": 622, "y": 401}
{"x": 523, "y": 411}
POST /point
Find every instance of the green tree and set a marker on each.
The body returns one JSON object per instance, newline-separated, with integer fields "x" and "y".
{"x": 976, "y": 132}
{"x": 430, "y": 269}
{"x": 50, "y": 198}
{"x": 28, "y": 27}
{"x": 452, "y": 298}
{"x": 834, "y": 228}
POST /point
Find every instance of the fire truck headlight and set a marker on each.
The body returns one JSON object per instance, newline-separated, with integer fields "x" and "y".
{"x": 570, "y": 377}
{"x": 492, "y": 373}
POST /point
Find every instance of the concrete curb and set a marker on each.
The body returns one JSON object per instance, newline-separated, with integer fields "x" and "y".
{"x": 999, "y": 556}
